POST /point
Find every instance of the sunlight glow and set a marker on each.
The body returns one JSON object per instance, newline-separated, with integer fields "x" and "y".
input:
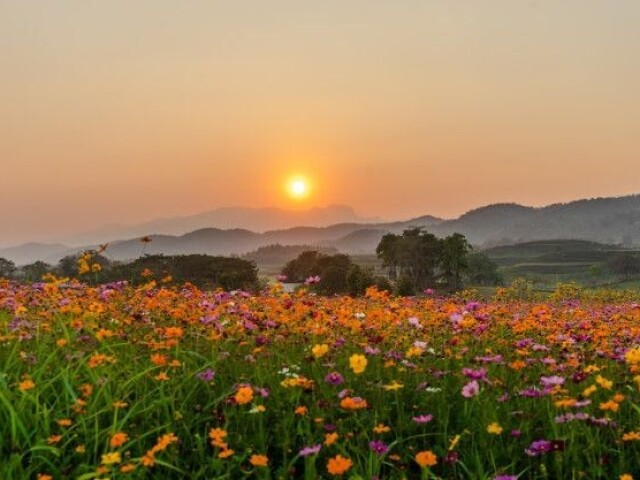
{"x": 298, "y": 187}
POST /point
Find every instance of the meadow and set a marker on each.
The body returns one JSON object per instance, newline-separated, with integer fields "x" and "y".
{"x": 160, "y": 381}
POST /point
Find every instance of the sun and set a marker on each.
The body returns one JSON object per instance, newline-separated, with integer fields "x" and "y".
{"x": 298, "y": 188}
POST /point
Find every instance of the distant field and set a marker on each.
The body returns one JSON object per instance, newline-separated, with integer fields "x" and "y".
{"x": 548, "y": 262}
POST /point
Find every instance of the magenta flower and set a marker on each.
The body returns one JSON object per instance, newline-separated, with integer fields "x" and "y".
{"x": 479, "y": 374}
{"x": 334, "y": 378}
{"x": 206, "y": 376}
{"x": 538, "y": 447}
{"x": 379, "y": 447}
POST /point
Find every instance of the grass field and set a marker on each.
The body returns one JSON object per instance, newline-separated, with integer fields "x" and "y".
{"x": 115, "y": 382}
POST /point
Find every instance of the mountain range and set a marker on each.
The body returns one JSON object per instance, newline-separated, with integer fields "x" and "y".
{"x": 614, "y": 220}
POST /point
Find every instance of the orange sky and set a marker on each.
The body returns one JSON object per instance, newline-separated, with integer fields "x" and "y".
{"x": 124, "y": 111}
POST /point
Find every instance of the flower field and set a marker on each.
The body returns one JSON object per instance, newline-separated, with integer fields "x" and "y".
{"x": 115, "y": 382}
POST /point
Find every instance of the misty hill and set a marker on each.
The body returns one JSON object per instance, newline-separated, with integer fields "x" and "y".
{"x": 604, "y": 220}
{"x": 30, "y": 252}
{"x": 254, "y": 219}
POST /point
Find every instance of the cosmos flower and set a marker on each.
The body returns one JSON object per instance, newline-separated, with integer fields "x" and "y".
{"x": 312, "y": 450}
{"x": 334, "y": 378}
{"x": 379, "y": 447}
{"x": 421, "y": 419}
{"x": 471, "y": 389}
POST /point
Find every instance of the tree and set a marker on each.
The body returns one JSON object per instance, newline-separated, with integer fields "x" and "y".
{"x": 454, "y": 260}
{"x": 302, "y": 267}
{"x": 481, "y": 270}
{"x": 359, "y": 279}
{"x": 34, "y": 272}
{"x": 387, "y": 252}
{"x": 7, "y": 268}
{"x": 624, "y": 264}
{"x": 420, "y": 258}
{"x": 204, "y": 271}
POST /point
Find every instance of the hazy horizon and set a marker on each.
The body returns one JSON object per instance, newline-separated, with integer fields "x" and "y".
{"x": 122, "y": 113}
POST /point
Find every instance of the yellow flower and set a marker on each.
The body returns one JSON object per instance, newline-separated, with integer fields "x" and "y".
{"x": 259, "y": 460}
{"x": 358, "y": 363}
{"x": 604, "y": 383}
{"x": 632, "y": 357}
{"x": 589, "y": 390}
{"x": 111, "y": 458}
{"x": 414, "y": 352}
{"x": 426, "y": 458}
{"x": 393, "y": 386}
{"x": 494, "y": 428}
{"x": 320, "y": 350}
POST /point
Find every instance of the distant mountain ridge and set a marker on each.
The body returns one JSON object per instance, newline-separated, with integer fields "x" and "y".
{"x": 606, "y": 220}
{"x": 254, "y": 219}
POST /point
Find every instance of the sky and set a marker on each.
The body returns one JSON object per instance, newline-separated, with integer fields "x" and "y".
{"x": 125, "y": 111}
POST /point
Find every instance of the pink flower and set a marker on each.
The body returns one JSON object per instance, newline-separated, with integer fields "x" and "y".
{"x": 471, "y": 389}
{"x": 422, "y": 418}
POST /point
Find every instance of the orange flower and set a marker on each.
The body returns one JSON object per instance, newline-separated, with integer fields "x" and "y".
{"x": 301, "y": 410}
{"x": 118, "y": 439}
{"x": 162, "y": 377}
{"x": 338, "y": 465}
{"x": 129, "y": 467}
{"x": 53, "y": 439}
{"x": 217, "y": 436}
{"x": 259, "y": 460}
{"x": 244, "y": 395}
{"x": 426, "y": 458}
{"x": 353, "y": 403}
{"x": 159, "y": 359}
{"x": 381, "y": 428}
{"x": 610, "y": 405}
{"x": 26, "y": 384}
{"x": 227, "y": 452}
{"x": 330, "y": 438}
